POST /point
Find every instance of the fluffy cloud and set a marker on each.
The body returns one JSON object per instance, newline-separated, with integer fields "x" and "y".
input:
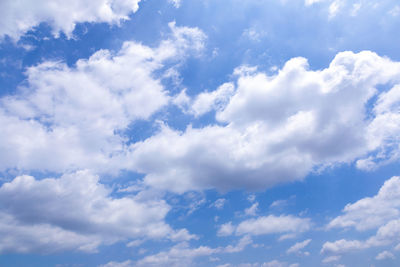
{"x": 75, "y": 117}
{"x": 298, "y": 246}
{"x": 252, "y": 210}
{"x": 372, "y": 212}
{"x": 385, "y": 235}
{"x": 385, "y": 255}
{"x": 341, "y": 246}
{"x": 380, "y": 212}
{"x": 267, "y": 225}
{"x": 18, "y": 17}
{"x": 226, "y": 229}
{"x": 205, "y": 101}
{"x": 179, "y": 255}
{"x": 331, "y": 259}
{"x": 219, "y": 203}
{"x": 183, "y": 255}
{"x": 279, "y": 128}
{"x": 75, "y": 212}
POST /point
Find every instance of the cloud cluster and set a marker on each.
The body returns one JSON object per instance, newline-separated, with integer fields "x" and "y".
{"x": 74, "y": 212}
{"x": 275, "y": 129}
{"x": 182, "y": 254}
{"x": 372, "y": 212}
{"x": 67, "y": 118}
{"x": 18, "y": 17}
{"x": 264, "y": 225}
{"x": 380, "y": 212}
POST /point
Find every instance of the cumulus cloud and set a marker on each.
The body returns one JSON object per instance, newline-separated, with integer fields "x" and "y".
{"x": 279, "y": 128}
{"x": 75, "y": 212}
{"x": 342, "y": 246}
{"x": 219, "y": 203}
{"x": 206, "y": 101}
{"x": 385, "y": 255}
{"x": 267, "y": 225}
{"x": 379, "y": 212}
{"x": 226, "y": 229}
{"x": 385, "y": 235}
{"x": 372, "y": 212}
{"x": 179, "y": 255}
{"x": 252, "y": 210}
{"x": 296, "y": 248}
{"x": 67, "y": 118}
{"x": 171, "y": 260}
{"x": 18, "y": 17}
{"x": 331, "y": 259}
{"x": 183, "y": 255}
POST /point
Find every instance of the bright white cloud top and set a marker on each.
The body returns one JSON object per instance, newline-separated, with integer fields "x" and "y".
{"x": 279, "y": 128}
{"x": 46, "y": 126}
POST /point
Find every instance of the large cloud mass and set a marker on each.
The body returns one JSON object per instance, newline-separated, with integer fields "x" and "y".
{"x": 278, "y": 128}
{"x": 67, "y": 118}
{"x": 379, "y": 212}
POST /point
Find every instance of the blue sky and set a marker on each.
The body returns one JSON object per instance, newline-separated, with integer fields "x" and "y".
{"x": 199, "y": 133}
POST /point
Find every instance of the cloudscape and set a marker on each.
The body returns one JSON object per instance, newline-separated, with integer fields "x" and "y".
{"x": 259, "y": 133}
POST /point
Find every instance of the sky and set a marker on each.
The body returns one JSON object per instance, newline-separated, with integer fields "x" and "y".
{"x": 259, "y": 133}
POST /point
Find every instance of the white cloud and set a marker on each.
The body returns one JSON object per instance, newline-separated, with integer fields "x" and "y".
{"x": 385, "y": 255}
{"x": 219, "y": 203}
{"x": 356, "y": 7}
{"x": 182, "y": 235}
{"x": 380, "y": 212}
{"x": 276, "y": 263}
{"x": 331, "y": 259}
{"x": 18, "y": 17}
{"x": 287, "y": 236}
{"x": 272, "y": 225}
{"x": 74, "y": 117}
{"x": 251, "y": 211}
{"x": 206, "y": 101}
{"x": 251, "y": 198}
{"x": 75, "y": 212}
{"x": 341, "y": 246}
{"x": 226, "y": 229}
{"x": 385, "y": 235}
{"x": 372, "y": 212}
{"x": 253, "y": 34}
{"x": 395, "y": 11}
{"x": 296, "y": 248}
{"x": 127, "y": 263}
{"x": 311, "y": 2}
{"x": 176, "y": 3}
{"x": 273, "y": 263}
{"x": 335, "y": 7}
{"x": 183, "y": 255}
{"x": 240, "y": 246}
{"x": 280, "y": 128}
{"x": 179, "y": 255}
